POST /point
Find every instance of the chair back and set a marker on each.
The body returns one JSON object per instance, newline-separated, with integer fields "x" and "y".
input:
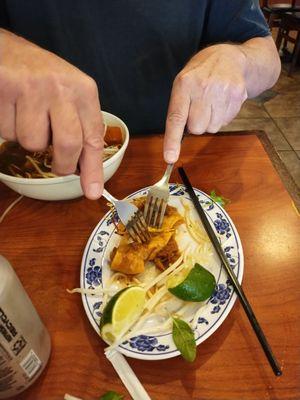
{"x": 268, "y": 3}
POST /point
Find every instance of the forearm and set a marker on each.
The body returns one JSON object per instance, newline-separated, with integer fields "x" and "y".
{"x": 262, "y": 67}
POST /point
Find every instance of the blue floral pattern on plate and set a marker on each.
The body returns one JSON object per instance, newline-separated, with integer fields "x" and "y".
{"x": 113, "y": 218}
{"x": 151, "y": 347}
{"x": 93, "y": 274}
{"x": 233, "y": 260}
{"x": 202, "y": 320}
{"x": 222, "y": 225}
{"x": 220, "y": 296}
{"x": 146, "y": 343}
{"x": 177, "y": 190}
{"x": 96, "y": 308}
{"x": 101, "y": 240}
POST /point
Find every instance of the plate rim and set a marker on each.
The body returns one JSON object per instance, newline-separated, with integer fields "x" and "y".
{"x": 226, "y": 310}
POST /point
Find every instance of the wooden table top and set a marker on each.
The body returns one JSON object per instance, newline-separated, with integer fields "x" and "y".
{"x": 44, "y": 241}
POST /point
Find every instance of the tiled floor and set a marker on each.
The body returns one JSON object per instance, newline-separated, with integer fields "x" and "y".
{"x": 277, "y": 112}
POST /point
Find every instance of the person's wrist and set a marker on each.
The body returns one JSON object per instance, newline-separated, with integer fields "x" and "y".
{"x": 235, "y": 52}
{"x": 242, "y": 59}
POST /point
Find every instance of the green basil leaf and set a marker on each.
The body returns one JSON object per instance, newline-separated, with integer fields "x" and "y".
{"x": 219, "y": 199}
{"x": 111, "y": 396}
{"x": 184, "y": 339}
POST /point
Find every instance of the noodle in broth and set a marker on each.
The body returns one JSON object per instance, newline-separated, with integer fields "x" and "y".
{"x": 18, "y": 162}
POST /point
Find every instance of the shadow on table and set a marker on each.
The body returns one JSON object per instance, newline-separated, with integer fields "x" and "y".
{"x": 213, "y": 165}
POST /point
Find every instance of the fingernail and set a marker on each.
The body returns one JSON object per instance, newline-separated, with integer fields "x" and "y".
{"x": 171, "y": 156}
{"x": 94, "y": 191}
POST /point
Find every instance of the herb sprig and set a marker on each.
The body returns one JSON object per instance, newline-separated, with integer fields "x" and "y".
{"x": 184, "y": 339}
{"x": 111, "y": 396}
{"x": 219, "y": 199}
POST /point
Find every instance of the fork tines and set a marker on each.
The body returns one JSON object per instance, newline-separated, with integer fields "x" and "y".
{"x": 155, "y": 209}
{"x": 138, "y": 229}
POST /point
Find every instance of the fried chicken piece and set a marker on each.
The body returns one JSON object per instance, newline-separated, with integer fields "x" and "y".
{"x": 130, "y": 257}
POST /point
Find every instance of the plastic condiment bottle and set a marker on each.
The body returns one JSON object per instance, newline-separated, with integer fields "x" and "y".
{"x": 24, "y": 340}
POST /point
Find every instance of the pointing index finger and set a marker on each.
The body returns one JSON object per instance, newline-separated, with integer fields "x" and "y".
{"x": 176, "y": 120}
{"x": 91, "y": 164}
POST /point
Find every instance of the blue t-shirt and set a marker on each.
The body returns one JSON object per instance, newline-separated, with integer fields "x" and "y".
{"x": 132, "y": 48}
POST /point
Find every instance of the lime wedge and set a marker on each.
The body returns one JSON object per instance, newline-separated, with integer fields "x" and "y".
{"x": 122, "y": 310}
{"x": 177, "y": 278}
{"x": 197, "y": 285}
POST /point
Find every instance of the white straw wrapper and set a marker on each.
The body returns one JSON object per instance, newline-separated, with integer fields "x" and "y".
{"x": 127, "y": 376}
{"x": 69, "y": 397}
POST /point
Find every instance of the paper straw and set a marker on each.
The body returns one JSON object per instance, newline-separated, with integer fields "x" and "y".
{"x": 127, "y": 376}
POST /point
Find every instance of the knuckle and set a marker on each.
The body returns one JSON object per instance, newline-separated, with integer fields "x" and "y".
{"x": 176, "y": 118}
{"x": 184, "y": 79}
{"x": 204, "y": 83}
{"x": 192, "y": 81}
{"x": 67, "y": 144}
{"x": 238, "y": 91}
{"x": 213, "y": 129}
{"x": 57, "y": 84}
{"x": 195, "y": 128}
{"x": 37, "y": 147}
{"x": 7, "y": 134}
{"x": 29, "y": 84}
{"x": 94, "y": 142}
{"x": 216, "y": 84}
{"x": 22, "y": 87}
{"x": 90, "y": 86}
{"x": 8, "y": 83}
{"x": 29, "y": 144}
{"x": 53, "y": 80}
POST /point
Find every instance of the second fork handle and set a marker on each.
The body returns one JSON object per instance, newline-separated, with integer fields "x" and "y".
{"x": 169, "y": 169}
{"x": 109, "y": 197}
{"x": 167, "y": 174}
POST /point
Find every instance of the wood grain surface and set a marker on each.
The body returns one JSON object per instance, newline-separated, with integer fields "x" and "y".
{"x": 45, "y": 241}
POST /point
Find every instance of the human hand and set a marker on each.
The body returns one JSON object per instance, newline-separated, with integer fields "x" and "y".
{"x": 206, "y": 95}
{"x": 45, "y": 99}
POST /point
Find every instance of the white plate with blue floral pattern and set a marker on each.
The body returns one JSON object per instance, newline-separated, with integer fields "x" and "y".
{"x": 95, "y": 272}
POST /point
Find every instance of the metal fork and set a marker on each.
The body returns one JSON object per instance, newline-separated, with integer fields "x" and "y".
{"x": 131, "y": 217}
{"x": 158, "y": 195}
{"x": 157, "y": 199}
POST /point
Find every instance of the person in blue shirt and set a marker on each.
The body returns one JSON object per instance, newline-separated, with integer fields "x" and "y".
{"x": 160, "y": 65}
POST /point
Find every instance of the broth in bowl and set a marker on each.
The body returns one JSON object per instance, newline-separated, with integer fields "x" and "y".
{"x": 63, "y": 187}
{"x": 18, "y": 162}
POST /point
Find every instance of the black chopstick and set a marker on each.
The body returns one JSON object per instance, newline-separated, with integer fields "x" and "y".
{"x": 245, "y": 303}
